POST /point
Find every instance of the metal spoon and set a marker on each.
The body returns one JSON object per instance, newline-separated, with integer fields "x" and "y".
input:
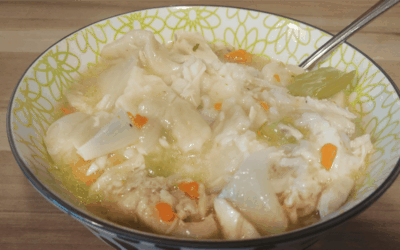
{"x": 342, "y": 36}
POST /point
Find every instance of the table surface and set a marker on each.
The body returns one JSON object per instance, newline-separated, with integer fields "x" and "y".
{"x": 27, "y": 28}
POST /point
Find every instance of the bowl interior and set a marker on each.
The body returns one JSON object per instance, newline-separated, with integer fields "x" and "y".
{"x": 45, "y": 82}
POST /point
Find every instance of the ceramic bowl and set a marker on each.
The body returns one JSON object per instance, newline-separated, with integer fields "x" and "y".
{"x": 44, "y": 83}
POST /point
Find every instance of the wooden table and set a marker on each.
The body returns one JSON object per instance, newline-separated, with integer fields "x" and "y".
{"x": 28, "y": 221}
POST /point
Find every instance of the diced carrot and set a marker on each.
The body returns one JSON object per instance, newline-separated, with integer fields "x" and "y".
{"x": 165, "y": 212}
{"x": 328, "y": 152}
{"x": 67, "y": 109}
{"x": 264, "y": 105}
{"x": 138, "y": 120}
{"x": 79, "y": 170}
{"x": 239, "y": 56}
{"x": 218, "y": 106}
{"x": 131, "y": 116}
{"x": 277, "y": 78}
{"x": 115, "y": 159}
{"x": 191, "y": 189}
{"x": 258, "y": 132}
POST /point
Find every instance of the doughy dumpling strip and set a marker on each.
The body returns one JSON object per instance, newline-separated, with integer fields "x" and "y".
{"x": 58, "y": 140}
{"x": 191, "y": 43}
{"x": 190, "y": 130}
{"x": 333, "y": 197}
{"x": 142, "y": 43}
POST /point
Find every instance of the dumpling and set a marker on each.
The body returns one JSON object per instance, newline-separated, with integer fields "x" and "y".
{"x": 188, "y": 87}
{"x": 127, "y": 45}
{"x": 186, "y": 44}
{"x": 58, "y": 137}
{"x": 276, "y": 68}
{"x": 113, "y": 178}
{"x": 110, "y": 85}
{"x": 187, "y": 126}
{"x": 143, "y": 44}
{"x": 142, "y": 86}
{"x": 148, "y": 136}
{"x": 232, "y": 120}
{"x": 335, "y": 195}
{"x": 65, "y": 135}
{"x": 155, "y": 58}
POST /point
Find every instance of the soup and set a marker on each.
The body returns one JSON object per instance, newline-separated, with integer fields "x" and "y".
{"x": 199, "y": 140}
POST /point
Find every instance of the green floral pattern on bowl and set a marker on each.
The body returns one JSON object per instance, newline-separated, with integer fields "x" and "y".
{"x": 46, "y": 81}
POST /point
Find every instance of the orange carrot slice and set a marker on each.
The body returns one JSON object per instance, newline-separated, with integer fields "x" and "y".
{"x": 277, "y": 78}
{"x": 218, "y": 106}
{"x": 67, "y": 109}
{"x": 191, "y": 189}
{"x": 138, "y": 120}
{"x": 79, "y": 170}
{"x": 115, "y": 159}
{"x": 239, "y": 56}
{"x": 328, "y": 152}
{"x": 165, "y": 212}
{"x": 264, "y": 105}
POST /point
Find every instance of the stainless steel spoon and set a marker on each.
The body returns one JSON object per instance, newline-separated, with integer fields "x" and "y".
{"x": 343, "y": 35}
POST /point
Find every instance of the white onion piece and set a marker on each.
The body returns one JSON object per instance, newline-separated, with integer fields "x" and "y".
{"x": 118, "y": 133}
{"x": 233, "y": 224}
{"x": 251, "y": 192}
{"x": 89, "y": 127}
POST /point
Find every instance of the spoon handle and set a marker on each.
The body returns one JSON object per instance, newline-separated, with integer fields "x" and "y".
{"x": 340, "y": 37}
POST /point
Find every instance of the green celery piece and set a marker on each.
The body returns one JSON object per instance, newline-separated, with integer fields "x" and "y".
{"x": 196, "y": 47}
{"x": 322, "y": 83}
{"x": 272, "y": 134}
{"x": 162, "y": 163}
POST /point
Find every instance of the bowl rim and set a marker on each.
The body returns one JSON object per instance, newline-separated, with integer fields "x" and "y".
{"x": 131, "y": 234}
